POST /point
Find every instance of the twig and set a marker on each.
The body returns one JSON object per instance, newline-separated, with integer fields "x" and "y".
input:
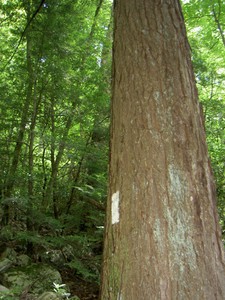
{"x": 24, "y": 32}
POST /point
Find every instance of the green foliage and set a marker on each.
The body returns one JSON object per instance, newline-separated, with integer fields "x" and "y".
{"x": 7, "y": 296}
{"x": 54, "y": 92}
{"x": 61, "y": 290}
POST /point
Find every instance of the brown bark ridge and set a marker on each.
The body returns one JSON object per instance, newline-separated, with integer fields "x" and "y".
{"x": 162, "y": 237}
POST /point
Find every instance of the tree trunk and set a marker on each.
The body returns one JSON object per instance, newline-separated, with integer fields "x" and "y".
{"x": 162, "y": 237}
{"x": 30, "y": 186}
{"x": 50, "y": 191}
{"x": 23, "y": 122}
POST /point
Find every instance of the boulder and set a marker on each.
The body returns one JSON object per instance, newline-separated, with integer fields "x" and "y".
{"x": 23, "y": 260}
{"x": 55, "y": 257}
{"x": 3, "y": 289}
{"x": 6, "y": 293}
{"x": 49, "y": 296}
{"x": 9, "y": 253}
{"x": 7, "y": 259}
{"x": 35, "y": 278}
{"x": 5, "y": 264}
{"x": 58, "y": 257}
{"x": 15, "y": 279}
{"x": 68, "y": 253}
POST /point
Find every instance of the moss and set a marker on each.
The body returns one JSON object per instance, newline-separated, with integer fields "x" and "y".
{"x": 174, "y": 230}
{"x": 178, "y": 183}
{"x": 158, "y": 236}
{"x": 179, "y": 236}
{"x": 114, "y": 282}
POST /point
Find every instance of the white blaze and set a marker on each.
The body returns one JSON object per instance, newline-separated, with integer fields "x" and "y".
{"x": 115, "y": 207}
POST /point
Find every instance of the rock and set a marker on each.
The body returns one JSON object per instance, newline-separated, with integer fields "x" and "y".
{"x": 55, "y": 257}
{"x": 7, "y": 258}
{"x": 31, "y": 297}
{"x": 27, "y": 296}
{"x": 23, "y": 260}
{"x": 6, "y": 233}
{"x": 49, "y": 275}
{"x": 35, "y": 278}
{"x": 58, "y": 257}
{"x": 49, "y": 296}
{"x": 6, "y": 293}
{"x": 68, "y": 253}
{"x": 3, "y": 289}
{"x": 16, "y": 280}
{"x": 5, "y": 264}
{"x": 9, "y": 253}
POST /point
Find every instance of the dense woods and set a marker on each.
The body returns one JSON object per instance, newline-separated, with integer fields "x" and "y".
{"x": 55, "y": 94}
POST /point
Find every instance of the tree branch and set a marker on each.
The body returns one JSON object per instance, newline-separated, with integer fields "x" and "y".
{"x": 218, "y": 23}
{"x": 24, "y": 32}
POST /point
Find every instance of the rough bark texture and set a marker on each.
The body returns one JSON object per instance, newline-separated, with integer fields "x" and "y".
{"x": 162, "y": 235}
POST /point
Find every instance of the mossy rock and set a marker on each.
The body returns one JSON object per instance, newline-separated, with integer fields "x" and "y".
{"x": 23, "y": 260}
{"x": 36, "y": 278}
{"x": 49, "y": 296}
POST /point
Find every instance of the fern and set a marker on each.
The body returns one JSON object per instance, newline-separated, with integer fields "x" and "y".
{"x": 81, "y": 269}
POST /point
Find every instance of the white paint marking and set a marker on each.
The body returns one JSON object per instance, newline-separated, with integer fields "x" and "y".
{"x": 115, "y": 207}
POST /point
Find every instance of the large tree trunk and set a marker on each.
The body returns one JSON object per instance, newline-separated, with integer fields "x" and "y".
{"x": 162, "y": 235}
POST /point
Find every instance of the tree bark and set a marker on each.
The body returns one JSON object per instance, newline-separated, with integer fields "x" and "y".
{"x": 162, "y": 238}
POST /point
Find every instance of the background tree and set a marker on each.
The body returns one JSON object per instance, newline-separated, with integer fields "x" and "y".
{"x": 162, "y": 233}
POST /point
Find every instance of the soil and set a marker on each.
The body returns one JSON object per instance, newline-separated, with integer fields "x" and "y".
{"x": 79, "y": 287}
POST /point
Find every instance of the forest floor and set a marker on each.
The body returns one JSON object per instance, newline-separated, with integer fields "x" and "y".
{"x": 79, "y": 287}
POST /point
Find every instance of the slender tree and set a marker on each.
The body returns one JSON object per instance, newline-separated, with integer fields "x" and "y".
{"x": 24, "y": 119}
{"x": 162, "y": 237}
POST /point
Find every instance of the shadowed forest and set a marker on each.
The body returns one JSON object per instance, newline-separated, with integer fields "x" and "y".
{"x": 55, "y": 92}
